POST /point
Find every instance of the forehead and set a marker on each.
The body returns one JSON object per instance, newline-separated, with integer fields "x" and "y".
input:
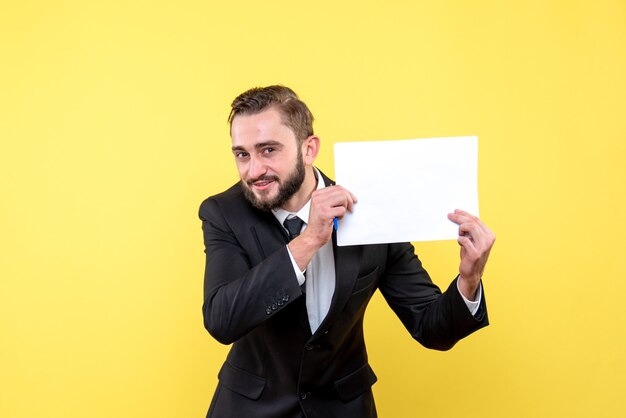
{"x": 260, "y": 127}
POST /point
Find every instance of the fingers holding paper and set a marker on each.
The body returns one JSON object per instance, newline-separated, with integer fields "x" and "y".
{"x": 327, "y": 204}
{"x": 476, "y": 241}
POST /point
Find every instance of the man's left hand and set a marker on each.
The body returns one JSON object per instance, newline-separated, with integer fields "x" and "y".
{"x": 476, "y": 241}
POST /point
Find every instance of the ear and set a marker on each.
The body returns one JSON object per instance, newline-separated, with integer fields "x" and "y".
{"x": 310, "y": 149}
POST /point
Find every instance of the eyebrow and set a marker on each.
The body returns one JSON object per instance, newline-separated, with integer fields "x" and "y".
{"x": 259, "y": 145}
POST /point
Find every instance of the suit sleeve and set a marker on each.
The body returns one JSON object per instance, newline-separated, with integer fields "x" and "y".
{"x": 238, "y": 296}
{"x": 437, "y": 320}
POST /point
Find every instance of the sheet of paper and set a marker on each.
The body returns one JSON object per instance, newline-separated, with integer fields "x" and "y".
{"x": 406, "y": 188}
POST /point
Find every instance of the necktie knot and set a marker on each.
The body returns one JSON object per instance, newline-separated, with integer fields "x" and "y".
{"x": 294, "y": 226}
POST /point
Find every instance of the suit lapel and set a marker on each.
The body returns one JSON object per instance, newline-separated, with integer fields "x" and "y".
{"x": 268, "y": 234}
{"x": 347, "y": 263}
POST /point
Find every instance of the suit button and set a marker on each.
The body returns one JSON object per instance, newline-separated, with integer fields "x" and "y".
{"x": 286, "y": 298}
{"x": 308, "y": 347}
{"x": 304, "y": 395}
{"x": 274, "y": 306}
{"x": 268, "y": 311}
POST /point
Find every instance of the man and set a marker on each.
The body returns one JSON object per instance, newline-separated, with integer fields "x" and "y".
{"x": 289, "y": 300}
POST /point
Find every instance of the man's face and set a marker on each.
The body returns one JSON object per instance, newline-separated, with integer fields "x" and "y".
{"x": 268, "y": 158}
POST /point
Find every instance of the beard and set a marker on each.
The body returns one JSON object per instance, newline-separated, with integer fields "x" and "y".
{"x": 286, "y": 189}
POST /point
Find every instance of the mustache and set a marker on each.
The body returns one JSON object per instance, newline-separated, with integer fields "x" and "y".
{"x": 262, "y": 178}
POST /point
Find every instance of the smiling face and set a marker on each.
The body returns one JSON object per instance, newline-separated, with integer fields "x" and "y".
{"x": 269, "y": 159}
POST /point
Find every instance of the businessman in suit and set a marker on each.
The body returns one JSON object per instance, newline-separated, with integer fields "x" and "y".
{"x": 288, "y": 299}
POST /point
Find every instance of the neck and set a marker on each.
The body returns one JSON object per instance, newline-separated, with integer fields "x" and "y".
{"x": 303, "y": 194}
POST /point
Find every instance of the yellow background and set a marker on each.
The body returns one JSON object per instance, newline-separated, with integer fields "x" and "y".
{"x": 113, "y": 130}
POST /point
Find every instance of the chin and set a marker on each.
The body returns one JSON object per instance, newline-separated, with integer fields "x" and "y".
{"x": 265, "y": 196}
{"x": 261, "y": 200}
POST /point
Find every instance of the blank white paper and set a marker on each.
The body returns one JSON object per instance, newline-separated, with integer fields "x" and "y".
{"x": 406, "y": 188}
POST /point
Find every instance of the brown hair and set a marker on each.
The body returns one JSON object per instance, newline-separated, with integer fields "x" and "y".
{"x": 295, "y": 113}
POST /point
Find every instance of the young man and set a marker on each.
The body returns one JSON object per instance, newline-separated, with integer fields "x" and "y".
{"x": 290, "y": 301}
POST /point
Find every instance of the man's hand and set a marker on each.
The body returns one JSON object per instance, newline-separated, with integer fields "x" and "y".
{"x": 476, "y": 241}
{"x": 326, "y": 204}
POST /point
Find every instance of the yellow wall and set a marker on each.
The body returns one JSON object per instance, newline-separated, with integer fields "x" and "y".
{"x": 112, "y": 130}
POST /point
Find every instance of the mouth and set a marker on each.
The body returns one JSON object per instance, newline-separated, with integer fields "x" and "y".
{"x": 262, "y": 184}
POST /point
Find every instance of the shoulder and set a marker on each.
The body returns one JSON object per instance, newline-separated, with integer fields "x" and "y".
{"x": 232, "y": 208}
{"x": 228, "y": 199}
{"x": 327, "y": 180}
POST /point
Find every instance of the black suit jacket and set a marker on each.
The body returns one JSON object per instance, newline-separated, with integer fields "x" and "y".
{"x": 276, "y": 366}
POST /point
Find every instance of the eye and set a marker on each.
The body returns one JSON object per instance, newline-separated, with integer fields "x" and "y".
{"x": 268, "y": 150}
{"x": 241, "y": 154}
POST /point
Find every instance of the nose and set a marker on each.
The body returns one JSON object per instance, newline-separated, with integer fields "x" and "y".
{"x": 256, "y": 168}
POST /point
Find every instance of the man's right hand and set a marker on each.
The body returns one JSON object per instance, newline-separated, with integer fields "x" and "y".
{"x": 326, "y": 204}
